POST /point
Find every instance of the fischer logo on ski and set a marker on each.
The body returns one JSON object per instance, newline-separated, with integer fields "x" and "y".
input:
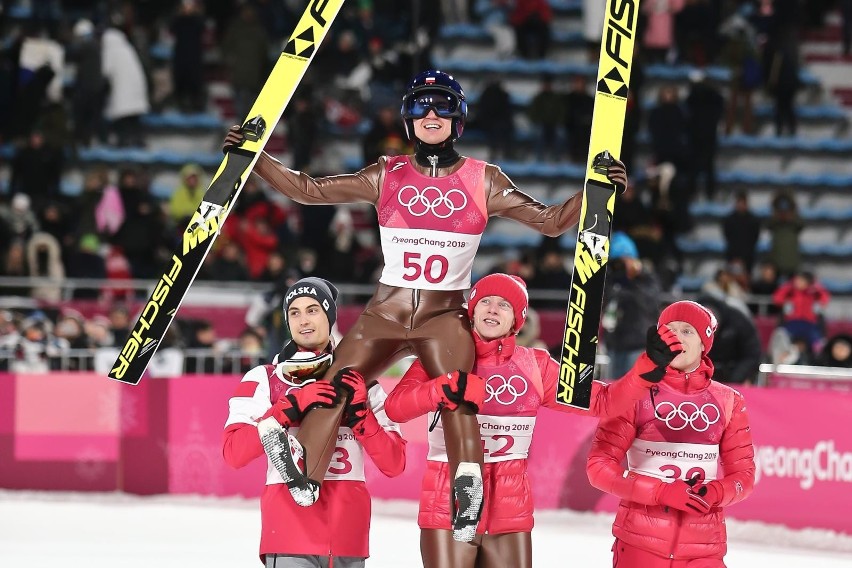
{"x": 591, "y": 253}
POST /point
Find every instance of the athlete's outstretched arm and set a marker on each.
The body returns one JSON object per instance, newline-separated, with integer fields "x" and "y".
{"x": 504, "y": 199}
{"x": 607, "y": 400}
{"x": 360, "y": 187}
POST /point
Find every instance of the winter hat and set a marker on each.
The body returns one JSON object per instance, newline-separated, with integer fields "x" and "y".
{"x": 511, "y": 287}
{"x": 693, "y": 313}
{"x": 324, "y": 291}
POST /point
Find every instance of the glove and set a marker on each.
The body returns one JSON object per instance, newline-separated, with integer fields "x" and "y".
{"x": 679, "y": 495}
{"x": 661, "y": 347}
{"x": 290, "y": 408}
{"x": 233, "y": 139}
{"x": 352, "y": 383}
{"x": 615, "y": 170}
{"x": 711, "y": 492}
{"x": 458, "y": 387}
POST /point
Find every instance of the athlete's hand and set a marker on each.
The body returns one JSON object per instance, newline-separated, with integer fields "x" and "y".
{"x": 661, "y": 347}
{"x": 617, "y": 174}
{"x": 457, "y": 388}
{"x": 233, "y": 139}
{"x": 353, "y": 385}
{"x": 711, "y": 492}
{"x": 679, "y": 495}
{"x": 291, "y": 408}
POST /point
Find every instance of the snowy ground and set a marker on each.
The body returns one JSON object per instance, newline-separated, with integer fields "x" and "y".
{"x": 49, "y": 530}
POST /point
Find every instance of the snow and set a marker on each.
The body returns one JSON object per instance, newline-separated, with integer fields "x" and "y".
{"x": 74, "y": 530}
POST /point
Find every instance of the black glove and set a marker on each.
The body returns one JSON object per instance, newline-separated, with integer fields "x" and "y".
{"x": 458, "y": 387}
{"x": 233, "y": 139}
{"x": 614, "y": 169}
{"x": 661, "y": 347}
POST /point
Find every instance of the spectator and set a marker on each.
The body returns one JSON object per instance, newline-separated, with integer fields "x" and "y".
{"x": 740, "y": 54}
{"x": 669, "y": 128}
{"x": 142, "y": 234}
{"x": 545, "y": 113}
{"x": 742, "y": 231}
{"x": 245, "y": 50}
{"x": 302, "y": 130}
{"x": 765, "y": 282}
{"x": 531, "y": 20}
{"x": 229, "y": 265}
{"x": 705, "y": 107}
{"x": 496, "y": 117}
{"x": 551, "y": 274}
{"x": 494, "y": 17}
{"x": 44, "y": 258}
{"x": 784, "y": 350}
{"x": 736, "y": 350}
{"x": 782, "y": 83}
{"x": 99, "y": 207}
{"x": 784, "y": 227}
{"x": 837, "y": 352}
{"x": 631, "y": 304}
{"x": 36, "y": 349}
{"x": 579, "y": 106}
{"x": 127, "y": 100}
{"x": 846, "y": 26}
{"x": 18, "y": 222}
{"x": 37, "y": 169}
{"x": 730, "y": 283}
{"x": 90, "y": 86}
{"x": 594, "y": 12}
{"x": 202, "y": 340}
{"x": 55, "y": 220}
{"x": 188, "y": 57}
{"x": 249, "y": 351}
{"x": 98, "y": 331}
{"x": 385, "y": 137}
{"x": 15, "y": 264}
{"x": 119, "y": 322}
{"x": 87, "y": 262}
{"x": 187, "y": 196}
{"x": 803, "y": 301}
{"x": 659, "y": 31}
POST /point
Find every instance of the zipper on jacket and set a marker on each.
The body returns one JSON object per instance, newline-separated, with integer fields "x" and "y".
{"x": 433, "y": 165}
{"x": 678, "y": 526}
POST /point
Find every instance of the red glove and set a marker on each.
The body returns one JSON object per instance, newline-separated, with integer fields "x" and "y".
{"x": 679, "y": 495}
{"x": 712, "y": 492}
{"x": 661, "y": 347}
{"x": 292, "y": 407}
{"x": 357, "y": 414}
{"x": 458, "y": 387}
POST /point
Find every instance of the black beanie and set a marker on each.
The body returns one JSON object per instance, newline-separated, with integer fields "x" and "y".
{"x": 324, "y": 291}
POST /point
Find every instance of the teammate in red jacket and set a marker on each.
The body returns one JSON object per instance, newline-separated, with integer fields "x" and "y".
{"x": 688, "y": 447}
{"x": 516, "y": 381}
{"x": 338, "y": 525}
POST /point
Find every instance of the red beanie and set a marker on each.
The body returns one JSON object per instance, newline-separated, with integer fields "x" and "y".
{"x": 694, "y": 314}
{"x": 512, "y": 288}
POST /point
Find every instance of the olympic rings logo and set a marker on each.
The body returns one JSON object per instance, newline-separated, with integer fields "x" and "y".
{"x": 514, "y": 387}
{"x": 431, "y": 199}
{"x": 688, "y": 413}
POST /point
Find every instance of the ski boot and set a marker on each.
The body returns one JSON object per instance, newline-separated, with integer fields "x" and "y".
{"x": 287, "y": 457}
{"x": 468, "y": 499}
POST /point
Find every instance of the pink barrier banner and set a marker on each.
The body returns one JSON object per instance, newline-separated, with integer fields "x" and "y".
{"x": 165, "y": 436}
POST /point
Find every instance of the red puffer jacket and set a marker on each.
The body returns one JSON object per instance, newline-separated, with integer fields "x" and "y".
{"x": 520, "y": 380}
{"x": 689, "y": 415}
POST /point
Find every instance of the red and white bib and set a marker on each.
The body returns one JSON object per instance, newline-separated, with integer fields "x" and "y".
{"x": 430, "y": 227}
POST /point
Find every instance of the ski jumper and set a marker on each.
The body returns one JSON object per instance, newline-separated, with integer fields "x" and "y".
{"x": 520, "y": 380}
{"x": 409, "y": 314}
{"x": 694, "y": 426}
{"x": 338, "y": 524}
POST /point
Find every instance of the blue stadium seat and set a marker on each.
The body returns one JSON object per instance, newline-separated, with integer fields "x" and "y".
{"x": 183, "y": 121}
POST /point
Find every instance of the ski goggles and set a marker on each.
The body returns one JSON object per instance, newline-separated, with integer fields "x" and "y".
{"x": 445, "y": 105}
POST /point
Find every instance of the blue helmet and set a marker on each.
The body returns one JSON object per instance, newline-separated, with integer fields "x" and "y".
{"x": 438, "y": 91}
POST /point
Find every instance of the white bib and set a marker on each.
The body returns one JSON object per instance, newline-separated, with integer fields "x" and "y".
{"x": 427, "y": 259}
{"x": 669, "y": 461}
{"x": 503, "y": 438}
{"x": 347, "y": 462}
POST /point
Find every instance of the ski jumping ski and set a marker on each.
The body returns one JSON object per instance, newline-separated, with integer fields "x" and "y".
{"x": 580, "y": 342}
{"x": 208, "y": 219}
